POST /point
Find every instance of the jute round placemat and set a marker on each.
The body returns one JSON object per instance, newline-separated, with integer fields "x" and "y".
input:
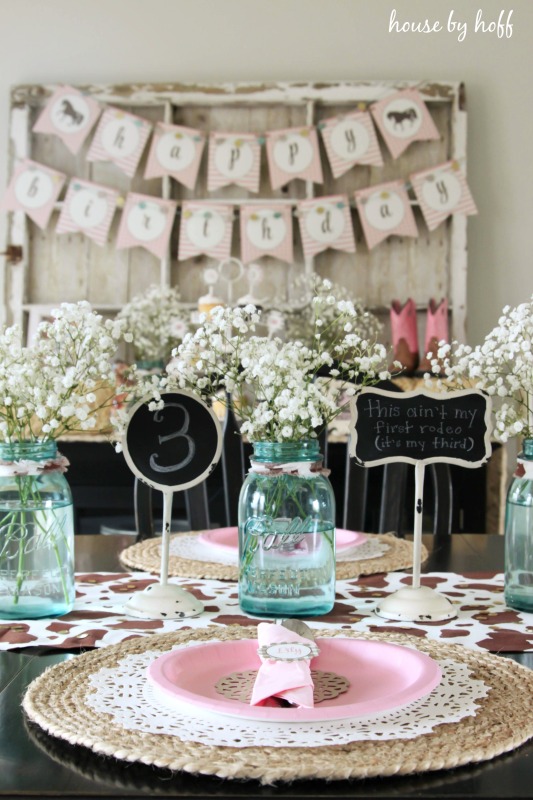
{"x": 504, "y": 721}
{"x": 146, "y": 556}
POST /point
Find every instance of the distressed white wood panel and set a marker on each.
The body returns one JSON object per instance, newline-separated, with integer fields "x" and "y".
{"x": 15, "y": 277}
{"x": 71, "y": 267}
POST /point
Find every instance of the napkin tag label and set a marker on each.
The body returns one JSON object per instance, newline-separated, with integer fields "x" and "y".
{"x": 288, "y": 651}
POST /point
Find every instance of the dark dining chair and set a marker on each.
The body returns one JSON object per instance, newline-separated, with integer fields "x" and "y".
{"x": 388, "y": 505}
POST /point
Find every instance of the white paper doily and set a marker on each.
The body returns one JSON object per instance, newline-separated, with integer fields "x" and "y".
{"x": 124, "y": 693}
{"x": 190, "y": 547}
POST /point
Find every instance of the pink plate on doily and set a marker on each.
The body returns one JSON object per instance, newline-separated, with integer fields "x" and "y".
{"x": 226, "y": 539}
{"x": 382, "y": 676}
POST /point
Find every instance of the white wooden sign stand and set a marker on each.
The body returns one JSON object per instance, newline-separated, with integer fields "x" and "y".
{"x": 166, "y": 600}
{"x": 419, "y": 427}
{"x": 416, "y": 603}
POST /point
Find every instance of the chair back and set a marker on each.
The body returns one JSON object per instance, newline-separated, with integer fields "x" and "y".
{"x": 381, "y": 499}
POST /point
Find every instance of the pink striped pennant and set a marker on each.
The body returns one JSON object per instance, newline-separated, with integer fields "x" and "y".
{"x": 233, "y": 158}
{"x": 175, "y": 151}
{"x": 120, "y": 138}
{"x": 442, "y": 191}
{"x": 33, "y": 189}
{"x": 205, "y": 228}
{"x": 70, "y": 115}
{"x": 293, "y": 153}
{"x": 350, "y": 139}
{"x": 146, "y": 222}
{"x": 88, "y": 208}
{"x": 266, "y": 230}
{"x": 403, "y": 118}
{"x": 384, "y": 211}
{"x": 326, "y": 222}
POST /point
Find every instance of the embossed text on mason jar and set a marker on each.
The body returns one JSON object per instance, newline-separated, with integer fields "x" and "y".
{"x": 26, "y": 538}
{"x": 277, "y": 533}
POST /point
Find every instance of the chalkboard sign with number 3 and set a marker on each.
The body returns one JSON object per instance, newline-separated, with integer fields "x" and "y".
{"x": 174, "y": 447}
{"x": 171, "y": 449}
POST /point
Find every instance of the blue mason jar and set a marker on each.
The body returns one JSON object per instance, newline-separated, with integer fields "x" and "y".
{"x": 36, "y": 532}
{"x": 519, "y": 533}
{"x": 287, "y": 533}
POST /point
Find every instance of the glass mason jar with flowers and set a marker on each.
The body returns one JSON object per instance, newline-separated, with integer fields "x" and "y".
{"x": 284, "y": 393}
{"x": 57, "y": 385}
{"x": 503, "y": 367}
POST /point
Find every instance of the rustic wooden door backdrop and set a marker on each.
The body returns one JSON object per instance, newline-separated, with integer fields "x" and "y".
{"x": 55, "y": 268}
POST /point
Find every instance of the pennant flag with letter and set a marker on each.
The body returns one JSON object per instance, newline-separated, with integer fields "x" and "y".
{"x": 233, "y": 158}
{"x": 146, "y": 222}
{"x": 175, "y": 151}
{"x": 293, "y": 153}
{"x": 120, "y": 138}
{"x": 33, "y": 189}
{"x": 385, "y": 210}
{"x": 266, "y": 230}
{"x": 88, "y": 208}
{"x": 403, "y": 118}
{"x": 350, "y": 139}
{"x": 205, "y": 228}
{"x": 70, "y": 115}
{"x": 442, "y": 191}
{"x": 326, "y": 222}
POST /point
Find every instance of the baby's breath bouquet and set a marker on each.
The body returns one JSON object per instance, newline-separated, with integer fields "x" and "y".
{"x": 296, "y": 317}
{"x": 281, "y": 390}
{"x": 56, "y": 385}
{"x": 157, "y": 320}
{"x": 59, "y": 383}
{"x": 502, "y": 367}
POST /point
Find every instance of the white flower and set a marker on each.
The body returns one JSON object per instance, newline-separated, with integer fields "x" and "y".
{"x": 56, "y": 372}
{"x": 155, "y": 321}
{"x": 503, "y": 368}
{"x": 273, "y": 383}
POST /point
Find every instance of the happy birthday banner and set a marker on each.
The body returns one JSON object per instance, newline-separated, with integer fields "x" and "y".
{"x": 235, "y": 158}
{"x": 266, "y": 228}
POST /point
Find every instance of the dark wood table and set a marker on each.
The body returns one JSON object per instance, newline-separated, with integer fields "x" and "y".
{"x": 33, "y": 764}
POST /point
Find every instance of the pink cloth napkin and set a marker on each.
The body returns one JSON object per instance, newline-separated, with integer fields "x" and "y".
{"x": 287, "y": 680}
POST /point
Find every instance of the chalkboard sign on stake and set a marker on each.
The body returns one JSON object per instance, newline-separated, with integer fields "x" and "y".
{"x": 170, "y": 449}
{"x": 419, "y": 427}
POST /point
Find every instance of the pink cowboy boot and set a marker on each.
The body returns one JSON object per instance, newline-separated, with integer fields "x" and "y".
{"x": 436, "y": 331}
{"x": 404, "y": 334}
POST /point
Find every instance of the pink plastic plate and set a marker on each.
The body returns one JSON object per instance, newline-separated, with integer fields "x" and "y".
{"x": 382, "y": 676}
{"x": 226, "y": 539}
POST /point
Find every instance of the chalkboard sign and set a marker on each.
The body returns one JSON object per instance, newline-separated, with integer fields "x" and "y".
{"x": 420, "y": 426}
{"x": 175, "y": 447}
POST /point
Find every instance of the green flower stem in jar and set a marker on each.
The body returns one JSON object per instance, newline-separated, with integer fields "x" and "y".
{"x": 36, "y": 532}
{"x": 519, "y": 534}
{"x": 287, "y": 533}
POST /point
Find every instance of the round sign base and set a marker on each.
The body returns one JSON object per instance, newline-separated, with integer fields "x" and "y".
{"x": 412, "y": 604}
{"x": 163, "y": 602}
